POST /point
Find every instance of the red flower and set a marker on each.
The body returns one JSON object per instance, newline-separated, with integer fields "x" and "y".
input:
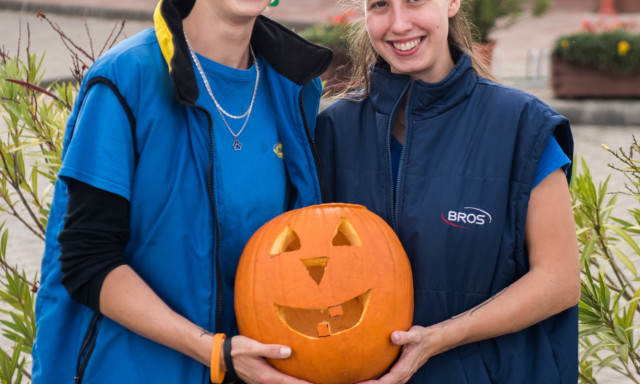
{"x": 342, "y": 18}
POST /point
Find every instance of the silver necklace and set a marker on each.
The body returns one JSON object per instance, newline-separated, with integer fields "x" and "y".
{"x": 237, "y": 145}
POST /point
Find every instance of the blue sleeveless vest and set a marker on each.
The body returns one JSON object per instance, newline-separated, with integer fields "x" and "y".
{"x": 167, "y": 145}
{"x": 463, "y": 187}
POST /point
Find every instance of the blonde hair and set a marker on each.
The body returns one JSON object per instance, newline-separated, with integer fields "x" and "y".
{"x": 362, "y": 54}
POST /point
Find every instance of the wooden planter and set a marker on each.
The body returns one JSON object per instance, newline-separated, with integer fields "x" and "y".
{"x": 573, "y": 82}
{"x": 628, "y": 6}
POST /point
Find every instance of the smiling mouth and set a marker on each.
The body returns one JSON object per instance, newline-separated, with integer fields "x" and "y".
{"x": 406, "y": 45}
{"x": 327, "y": 321}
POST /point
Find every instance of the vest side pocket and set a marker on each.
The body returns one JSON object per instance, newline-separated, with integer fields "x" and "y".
{"x": 86, "y": 348}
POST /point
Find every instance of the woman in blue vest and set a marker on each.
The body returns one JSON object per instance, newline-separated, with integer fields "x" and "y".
{"x": 160, "y": 189}
{"x": 473, "y": 176}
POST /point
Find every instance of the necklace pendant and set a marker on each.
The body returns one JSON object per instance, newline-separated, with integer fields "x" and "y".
{"x": 237, "y": 145}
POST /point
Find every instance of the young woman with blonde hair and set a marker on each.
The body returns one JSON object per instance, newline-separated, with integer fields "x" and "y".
{"x": 473, "y": 177}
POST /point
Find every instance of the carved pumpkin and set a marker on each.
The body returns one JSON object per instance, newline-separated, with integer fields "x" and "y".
{"x": 331, "y": 281}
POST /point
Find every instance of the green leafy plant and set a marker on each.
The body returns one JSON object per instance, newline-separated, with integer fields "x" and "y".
{"x": 334, "y": 34}
{"x": 612, "y": 47}
{"x": 610, "y": 249}
{"x": 331, "y": 34}
{"x": 30, "y": 150}
{"x": 485, "y": 14}
{"x": 34, "y": 117}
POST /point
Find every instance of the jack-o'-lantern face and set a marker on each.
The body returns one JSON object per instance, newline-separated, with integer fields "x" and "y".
{"x": 329, "y": 281}
{"x": 332, "y": 318}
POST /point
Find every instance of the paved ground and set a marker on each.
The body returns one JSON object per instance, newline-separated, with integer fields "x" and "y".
{"x": 521, "y": 57}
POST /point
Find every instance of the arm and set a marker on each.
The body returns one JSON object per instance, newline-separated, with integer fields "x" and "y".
{"x": 96, "y": 274}
{"x": 551, "y": 285}
{"x": 128, "y": 300}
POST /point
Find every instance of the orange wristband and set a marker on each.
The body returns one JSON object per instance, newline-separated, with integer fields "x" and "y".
{"x": 217, "y": 376}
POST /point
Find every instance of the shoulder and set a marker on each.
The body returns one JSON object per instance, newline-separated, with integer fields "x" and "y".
{"x": 346, "y": 106}
{"x": 134, "y": 69}
{"x": 133, "y": 56}
{"x": 511, "y": 101}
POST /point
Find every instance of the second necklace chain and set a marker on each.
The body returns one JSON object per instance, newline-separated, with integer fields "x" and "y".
{"x": 236, "y": 143}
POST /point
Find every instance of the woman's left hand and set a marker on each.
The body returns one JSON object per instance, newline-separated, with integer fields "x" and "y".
{"x": 415, "y": 352}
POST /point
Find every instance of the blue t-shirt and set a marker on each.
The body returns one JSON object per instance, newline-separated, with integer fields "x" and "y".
{"x": 256, "y": 173}
{"x": 553, "y": 157}
{"x": 251, "y": 186}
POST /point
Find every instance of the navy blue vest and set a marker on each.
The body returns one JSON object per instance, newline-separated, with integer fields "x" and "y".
{"x": 471, "y": 150}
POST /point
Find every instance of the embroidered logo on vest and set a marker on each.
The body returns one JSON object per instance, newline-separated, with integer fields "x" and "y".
{"x": 277, "y": 149}
{"x": 470, "y": 216}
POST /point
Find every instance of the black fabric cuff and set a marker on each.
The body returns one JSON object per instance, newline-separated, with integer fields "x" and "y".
{"x": 231, "y": 376}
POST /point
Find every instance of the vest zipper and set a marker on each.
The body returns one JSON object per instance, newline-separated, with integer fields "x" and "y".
{"x": 314, "y": 150}
{"x": 393, "y": 209}
{"x": 88, "y": 344}
{"x": 214, "y": 211}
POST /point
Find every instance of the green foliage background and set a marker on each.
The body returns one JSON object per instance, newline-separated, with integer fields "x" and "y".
{"x": 485, "y": 14}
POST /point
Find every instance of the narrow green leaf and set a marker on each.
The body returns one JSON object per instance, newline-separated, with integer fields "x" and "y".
{"x": 623, "y": 235}
{"x": 631, "y": 309}
{"x": 622, "y": 336}
{"x": 624, "y": 259}
{"x": 604, "y": 293}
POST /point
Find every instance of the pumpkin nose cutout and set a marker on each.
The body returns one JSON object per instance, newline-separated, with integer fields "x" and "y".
{"x": 316, "y": 267}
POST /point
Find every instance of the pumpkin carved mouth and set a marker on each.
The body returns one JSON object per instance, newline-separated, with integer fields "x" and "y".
{"x": 326, "y": 321}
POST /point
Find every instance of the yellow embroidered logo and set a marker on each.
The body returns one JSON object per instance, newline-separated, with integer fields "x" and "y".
{"x": 277, "y": 149}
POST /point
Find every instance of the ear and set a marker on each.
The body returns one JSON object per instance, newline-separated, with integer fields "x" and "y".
{"x": 454, "y": 7}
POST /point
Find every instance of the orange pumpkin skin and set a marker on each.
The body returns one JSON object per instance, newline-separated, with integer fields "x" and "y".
{"x": 331, "y": 281}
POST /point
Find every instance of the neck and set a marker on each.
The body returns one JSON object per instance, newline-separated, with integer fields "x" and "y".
{"x": 218, "y": 37}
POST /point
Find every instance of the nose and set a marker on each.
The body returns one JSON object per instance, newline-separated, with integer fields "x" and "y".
{"x": 316, "y": 267}
{"x": 400, "y": 19}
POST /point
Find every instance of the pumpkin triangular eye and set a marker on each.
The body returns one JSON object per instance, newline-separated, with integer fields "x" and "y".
{"x": 286, "y": 241}
{"x": 345, "y": 234}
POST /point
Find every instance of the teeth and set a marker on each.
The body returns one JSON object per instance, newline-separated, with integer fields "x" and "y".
{"x": 407, "y": 45}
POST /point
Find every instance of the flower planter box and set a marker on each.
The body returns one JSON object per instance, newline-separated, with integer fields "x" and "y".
{"x": 628, "y": 6}
{"x": 574, "y": 82}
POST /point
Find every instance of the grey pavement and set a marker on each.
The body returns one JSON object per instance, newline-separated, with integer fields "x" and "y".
{"x": 521, "y": 57}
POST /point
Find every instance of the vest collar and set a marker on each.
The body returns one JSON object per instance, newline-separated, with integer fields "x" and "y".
{"x": 426, "y": 98}
{"x": 293, "y": 57}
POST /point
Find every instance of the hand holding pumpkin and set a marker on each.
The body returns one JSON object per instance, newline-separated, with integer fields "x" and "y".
{"x": 250, "y": 364}
{"x": 417, "y": 347}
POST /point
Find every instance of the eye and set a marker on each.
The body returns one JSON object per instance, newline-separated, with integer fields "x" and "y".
{"x": 286, "y": 241}
{"x": 377, "y": 4}
{"x": 345, "y": 235}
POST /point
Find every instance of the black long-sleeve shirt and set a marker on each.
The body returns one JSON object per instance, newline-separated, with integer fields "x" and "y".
{"x": 96, "y": 230}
